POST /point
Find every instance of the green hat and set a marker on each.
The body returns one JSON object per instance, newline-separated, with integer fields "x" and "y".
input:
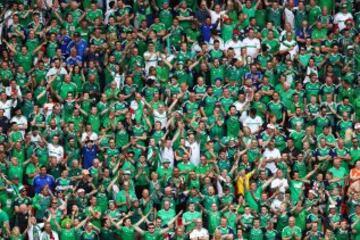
{"x": 232, "y": 139}
{"x": 190, "y": 131}
{"x": 9, "y": 190}
{"x": 67, "y": 220}
{"x": 347, "y": 79}
{"x": 166, "y": 161}
{"x": 225, "y": 140}
{"x": 127, "y": 172}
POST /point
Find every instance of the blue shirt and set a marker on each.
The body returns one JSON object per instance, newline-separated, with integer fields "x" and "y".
{"x": 39, "y": 182}
{"x": 64, "y": 42}
{"x": 80, "y": 47}
{"x": 88, "y": 154}
{"x": 255, "y": 77}
{"x": 301, "y": 32}
{"x": 73, "y": 60}
{"x": 206, "y": 31}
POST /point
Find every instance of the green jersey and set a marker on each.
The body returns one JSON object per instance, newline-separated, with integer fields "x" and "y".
{"x": 291, "y": 232}
{"x": 276, "y": 108}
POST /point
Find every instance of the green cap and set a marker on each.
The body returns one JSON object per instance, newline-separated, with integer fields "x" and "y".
{"x": 166, "y": 161}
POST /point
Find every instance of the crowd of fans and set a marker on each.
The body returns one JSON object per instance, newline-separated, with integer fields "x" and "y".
{"x": 191, "y": 119}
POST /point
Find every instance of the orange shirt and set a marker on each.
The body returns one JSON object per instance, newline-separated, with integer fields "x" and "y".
{"x": 354, "y": 173}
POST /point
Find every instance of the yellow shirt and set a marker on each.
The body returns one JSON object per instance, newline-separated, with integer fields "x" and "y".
{"x": 243, "y": 181}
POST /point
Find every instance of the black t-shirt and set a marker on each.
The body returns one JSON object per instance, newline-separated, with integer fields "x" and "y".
{"x": 21, "y": 221}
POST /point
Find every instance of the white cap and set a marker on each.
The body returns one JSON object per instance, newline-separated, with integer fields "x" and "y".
{"x": 80, "y": 190}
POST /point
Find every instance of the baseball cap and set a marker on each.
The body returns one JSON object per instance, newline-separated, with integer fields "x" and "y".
{"x": 166, "y": 161}
{"x": 80, "y": 190}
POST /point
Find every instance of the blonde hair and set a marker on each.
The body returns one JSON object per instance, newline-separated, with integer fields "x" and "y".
{"x": 15, "y": 231}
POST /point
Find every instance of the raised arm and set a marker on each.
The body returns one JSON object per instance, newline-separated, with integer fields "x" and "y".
{"x": 117, "y": 225}
{"x": 143, "y": 219}
{"x": 267, "y": 183}
{"x": 38, "y": 48}
{"x": 175, "y": 102}
{"x": 170, "y": 223}
{"x": 10, "y": 47}
{"x": 139, "y": 230}
{"x": 166, "y": 62}
{"x": 257, "y": 4}
{"x": 58, "y": 16}
{"x": 82, "y": 223}
{"x": 311, "y": 173}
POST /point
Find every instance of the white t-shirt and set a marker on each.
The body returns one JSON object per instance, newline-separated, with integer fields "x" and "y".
{"x": 35, "y": 139}
{"x": 340, "y": 19}
{"x": 54, "y": 70}
{"x": 56, "y": 151}
{"x": 152, "y": 60}
{"x": 9, "y": 90}
{"x": 196, "y": 234}
{"x": 21, "y": 121}
{"x": 289, "y": 17}
{"x": 236, "y": 46}
{"x": 49, "y": 108}
{"x": 92, "y": 136}
{"x": 221, "y": 43}
{"x": 275, "y": 153}
{"x": 161, "y": 117}
{"x": 34, "y": 230}
{"x": 276, "y": 204}
{"x": 168, "y": 153}
{"x": 240, "y": 106}
{"x": 6, "y": 106}
{"x": 286, "y": 45}
{"x": 282, "y": 184}
{"x": 108, "y": 13}
{"x": 195, "y": 152}
{"x": 45, "y": 235}
{"x": 253, "y": 123}
{"x": 215, "y": 16}
{"x": 252, "y": 46}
